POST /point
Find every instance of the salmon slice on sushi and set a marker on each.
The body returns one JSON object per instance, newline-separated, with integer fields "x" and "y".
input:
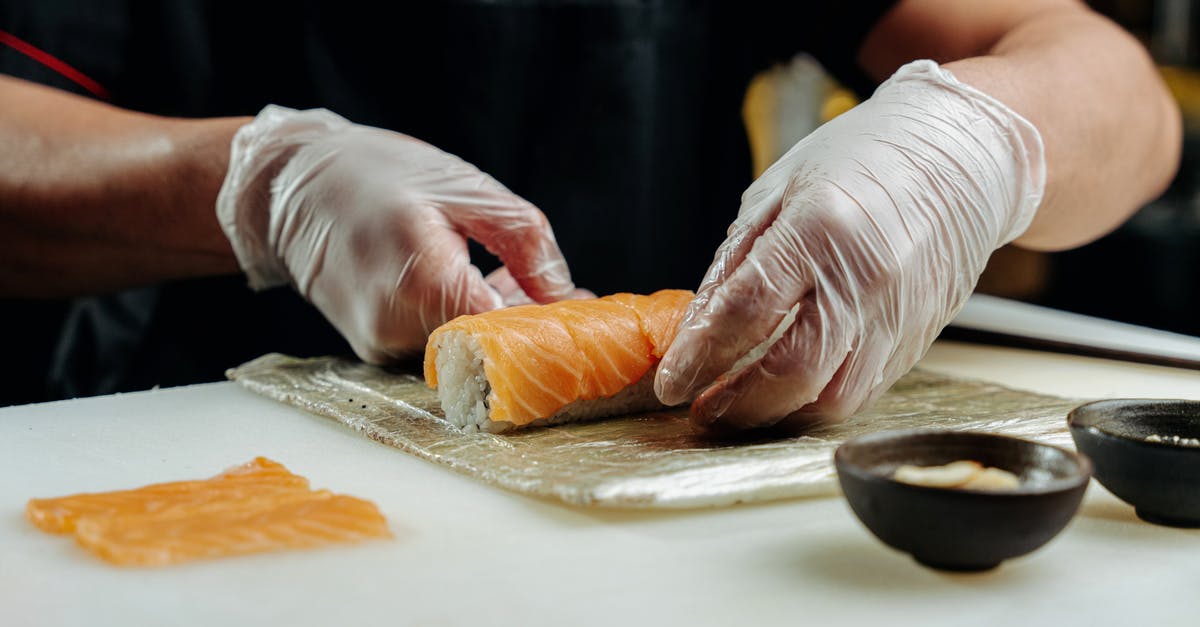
{"x": 548, "y": 364}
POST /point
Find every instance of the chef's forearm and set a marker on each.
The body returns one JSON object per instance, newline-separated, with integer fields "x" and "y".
{"x": 95, "y": 198}
{"x": 1110, "y": 128}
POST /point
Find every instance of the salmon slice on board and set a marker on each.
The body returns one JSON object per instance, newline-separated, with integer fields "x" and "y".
{"x": 258, "y": 477}
{"x": 258, "y": 506}
{"x": 309, "y": 520}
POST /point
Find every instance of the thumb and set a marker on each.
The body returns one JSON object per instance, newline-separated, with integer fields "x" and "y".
{"x": 517, "y": 232}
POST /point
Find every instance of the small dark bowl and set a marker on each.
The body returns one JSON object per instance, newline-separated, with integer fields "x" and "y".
{"x": 1160, "y": 479}
{"x": 954, "y": 528}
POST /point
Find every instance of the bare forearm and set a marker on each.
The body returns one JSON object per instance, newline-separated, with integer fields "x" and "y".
{"x": 1111, "y": 131}
{"x": 94, "y": 198}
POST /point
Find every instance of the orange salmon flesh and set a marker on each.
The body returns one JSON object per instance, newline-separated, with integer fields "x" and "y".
{"x": 256, "y": 507}
{"x": 541, "y": 358}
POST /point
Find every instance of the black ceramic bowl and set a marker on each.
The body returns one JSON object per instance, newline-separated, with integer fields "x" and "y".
{"x": 954, "y": 528}
{"x": 1160, "y": 479}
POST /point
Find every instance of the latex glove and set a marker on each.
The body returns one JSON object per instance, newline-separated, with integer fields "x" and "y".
{"x": 371, "y": 227}
{"x": 873, "y": 230}
{"x": 511, "y": 293}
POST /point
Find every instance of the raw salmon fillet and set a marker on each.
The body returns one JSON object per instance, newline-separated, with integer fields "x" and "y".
{"x": 311, "y": 520}
{"x": 259, "y": 506}
{"x": 261, "y": 477}
{"x": 550, "y": 363}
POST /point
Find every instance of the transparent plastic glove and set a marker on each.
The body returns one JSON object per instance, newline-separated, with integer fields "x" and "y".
{"x": 511, "y": 293}
{"x": 872, "y": 231}
{"x": 371, "y": 227}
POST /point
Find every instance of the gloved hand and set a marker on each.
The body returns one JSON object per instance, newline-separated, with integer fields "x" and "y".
{"x": 872, "y": 231}
{"x": 371, "y": 227}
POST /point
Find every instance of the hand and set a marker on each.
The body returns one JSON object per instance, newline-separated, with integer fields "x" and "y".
{"x": 871, "y": 232}
{"x": 371, "y": 227}
{"x": 511, "y": 293}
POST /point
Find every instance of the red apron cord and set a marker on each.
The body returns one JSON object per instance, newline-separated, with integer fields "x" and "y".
{"x": 54, "y": 63}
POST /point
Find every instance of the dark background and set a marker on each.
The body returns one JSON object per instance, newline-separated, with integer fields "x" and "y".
{"x": 1146, "y": 272}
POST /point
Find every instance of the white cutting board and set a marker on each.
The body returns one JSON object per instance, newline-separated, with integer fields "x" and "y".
{"x": 467, "y": 554}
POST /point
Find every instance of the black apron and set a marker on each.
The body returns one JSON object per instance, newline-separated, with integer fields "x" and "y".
{"x": 620, "y": 120}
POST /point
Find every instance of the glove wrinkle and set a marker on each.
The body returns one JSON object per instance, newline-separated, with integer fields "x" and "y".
{"x": 371, "y": 225}
{"x": 886, "y": 217}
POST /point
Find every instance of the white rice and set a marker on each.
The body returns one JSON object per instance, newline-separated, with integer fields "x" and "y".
{"x": 464, "y": 391}
{"x": 462, "y": 386}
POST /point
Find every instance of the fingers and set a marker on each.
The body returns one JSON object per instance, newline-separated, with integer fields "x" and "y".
{"x": 862, "y": 378}
{"x": 401, "y": 327}
{"x": 789, "y": 376}
{"x": 736, "y": 310}
{"x": 440, "y": 284}
{"x": 739, "y": 240}
{"x": 430, "y": 285}
{"x": 803, "y": 393}
{"x": 513, "y": 230}
{"x": 502, "y": 281}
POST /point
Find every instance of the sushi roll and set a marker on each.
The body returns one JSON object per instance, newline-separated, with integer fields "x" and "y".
{"x": 548, "y": 364}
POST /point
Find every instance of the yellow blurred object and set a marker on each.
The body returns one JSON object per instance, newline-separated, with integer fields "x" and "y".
{"x": 1184, "y": 84}
{"x": 785, "y": 103}
{"x": 760, "y": 111}
{"x": 838, "y": 101}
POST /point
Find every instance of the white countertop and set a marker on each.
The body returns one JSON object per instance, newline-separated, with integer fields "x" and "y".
{"x": 467, "y": 554}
